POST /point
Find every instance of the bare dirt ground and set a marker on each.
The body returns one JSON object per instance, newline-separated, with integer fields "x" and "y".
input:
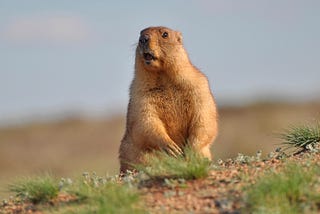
{"x": 69, "y": 147}
{"x": 219, "y": 193}
{"x": 222, "y": 192}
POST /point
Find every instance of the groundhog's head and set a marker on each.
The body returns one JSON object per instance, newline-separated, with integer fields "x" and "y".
{"x": 158, "y": 46}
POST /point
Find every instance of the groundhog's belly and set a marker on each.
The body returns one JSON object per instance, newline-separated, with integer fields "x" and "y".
{"x": 175, "y": 113}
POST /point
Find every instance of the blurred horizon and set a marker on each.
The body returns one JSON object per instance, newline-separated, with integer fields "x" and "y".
{"x": 109, "y": 115}
{"x": 62, "y": 59}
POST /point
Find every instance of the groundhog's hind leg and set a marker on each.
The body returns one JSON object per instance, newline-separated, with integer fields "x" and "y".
{"x": 202, "y": 135}
{"x": 128, "y": 156}
{"x": 206, "y": 152}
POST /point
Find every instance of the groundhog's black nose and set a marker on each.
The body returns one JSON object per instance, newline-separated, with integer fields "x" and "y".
{"x": 144, "y": 38}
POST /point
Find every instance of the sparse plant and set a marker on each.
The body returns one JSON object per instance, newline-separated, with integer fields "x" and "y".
{"x": 36, "y": 189}
{"x": 189, "y": 165}
{"x": 173, "y": 183}
{"x": 245, "y": 159}
{"x": 301, "y": 138}
{"x": 104, "y": 195}
{"x": 278, "y": 153}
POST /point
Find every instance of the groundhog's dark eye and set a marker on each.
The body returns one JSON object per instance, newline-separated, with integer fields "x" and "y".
{"x": 165, "y": 35}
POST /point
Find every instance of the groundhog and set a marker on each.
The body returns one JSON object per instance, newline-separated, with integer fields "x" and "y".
{"x": 170, "y": 105}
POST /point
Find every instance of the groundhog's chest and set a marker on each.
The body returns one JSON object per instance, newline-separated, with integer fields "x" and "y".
{"x": 175, "y": 106}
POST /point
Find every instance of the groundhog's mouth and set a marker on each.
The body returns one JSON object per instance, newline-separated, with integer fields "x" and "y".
{"x": 148, "y": 57}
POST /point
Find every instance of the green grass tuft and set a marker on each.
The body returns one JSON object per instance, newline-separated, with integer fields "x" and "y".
{"x": 288, "y": 191}
{"x": 190, "y": 165}
{"x": 89, "y": 194}
{"x": 37, "y": 189}
{"x": 301, "y": 138}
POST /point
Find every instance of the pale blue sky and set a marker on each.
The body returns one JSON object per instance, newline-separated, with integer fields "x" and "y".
{"x": 63, "y": 56}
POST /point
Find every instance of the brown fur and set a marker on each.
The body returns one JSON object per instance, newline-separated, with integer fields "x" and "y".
{"x": 170, "y": 102}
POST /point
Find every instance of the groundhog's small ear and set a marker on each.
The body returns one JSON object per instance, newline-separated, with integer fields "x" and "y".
{"x": 179, "y": 37}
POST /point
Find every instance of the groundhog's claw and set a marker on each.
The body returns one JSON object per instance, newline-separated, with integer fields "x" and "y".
{"x": 174, "y": 149}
